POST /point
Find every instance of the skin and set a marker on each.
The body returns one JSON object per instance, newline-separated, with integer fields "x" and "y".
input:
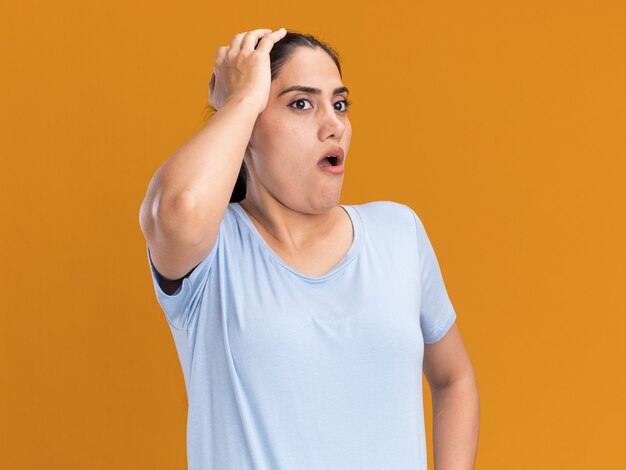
{"x": 289, "y": 199}
{"x": 456, "y": 405}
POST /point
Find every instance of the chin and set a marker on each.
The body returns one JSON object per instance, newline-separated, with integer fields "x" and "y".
{"x": 330, "y": 199}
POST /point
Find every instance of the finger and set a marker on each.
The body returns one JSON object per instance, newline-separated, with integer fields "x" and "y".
{"x": 235, "y": 44}
{"x": 220, "y": 54}
{"x": 267, "y": 41}
{"x": 251, "y": 39}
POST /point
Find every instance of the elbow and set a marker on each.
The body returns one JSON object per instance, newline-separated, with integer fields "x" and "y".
{"x": 167, "y": 216}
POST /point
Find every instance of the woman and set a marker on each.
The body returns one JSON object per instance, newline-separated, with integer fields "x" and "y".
{"x": 301, "y": 325}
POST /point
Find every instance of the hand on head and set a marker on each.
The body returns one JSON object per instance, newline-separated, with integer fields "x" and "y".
{"x": 242, "y": 69}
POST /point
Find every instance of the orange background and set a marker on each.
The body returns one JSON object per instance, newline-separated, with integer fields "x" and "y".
{"x": 502, "y": 126}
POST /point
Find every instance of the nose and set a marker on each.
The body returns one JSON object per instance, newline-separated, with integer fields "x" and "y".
{"x": 331, "y": 122}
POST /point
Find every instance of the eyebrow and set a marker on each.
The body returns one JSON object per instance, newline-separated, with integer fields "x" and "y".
{"x": 311, "y": 90}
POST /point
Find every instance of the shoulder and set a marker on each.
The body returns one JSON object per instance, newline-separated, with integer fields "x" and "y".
{"x": 231, "y": 221}
{"x": 389, "y": 223}
{"x": 387, "y": 212}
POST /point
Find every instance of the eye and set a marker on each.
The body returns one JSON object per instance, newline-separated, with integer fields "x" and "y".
{"x": 346, "y": 103}
{"x": 299, "y": 100}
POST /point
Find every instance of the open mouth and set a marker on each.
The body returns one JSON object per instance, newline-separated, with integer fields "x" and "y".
{"x": 331, "y": 160}
{"x": 332, "y": 157}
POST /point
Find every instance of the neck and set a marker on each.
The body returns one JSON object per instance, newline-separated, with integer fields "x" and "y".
{"x": 291, "y": 228}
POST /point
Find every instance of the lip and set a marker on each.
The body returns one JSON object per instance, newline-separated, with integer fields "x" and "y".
{"x": 334, "y": 170}
{"x": 337, "y": 151}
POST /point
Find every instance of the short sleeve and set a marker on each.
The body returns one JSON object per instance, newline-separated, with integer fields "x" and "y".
{"x": 436, "y": 312}
{"x": 183, "y": 304}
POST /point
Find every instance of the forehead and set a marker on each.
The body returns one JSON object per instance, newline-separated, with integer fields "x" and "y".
{"x": 308, "y": 66}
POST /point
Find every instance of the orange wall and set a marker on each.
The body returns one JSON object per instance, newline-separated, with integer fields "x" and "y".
{"x": 501, "y": 125}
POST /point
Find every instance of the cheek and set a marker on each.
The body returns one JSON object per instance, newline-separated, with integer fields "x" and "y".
{"x": 265, "y": 137}
{"x": 286, "y": 143}
{"x": 290, "y": 138}
{"x": 287, "y": 127}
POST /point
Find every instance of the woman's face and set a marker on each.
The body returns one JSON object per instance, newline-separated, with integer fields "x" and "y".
{"x": 295, "y": 130}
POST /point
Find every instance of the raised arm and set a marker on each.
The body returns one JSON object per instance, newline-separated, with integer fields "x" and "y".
{"x": 188, "y": 195}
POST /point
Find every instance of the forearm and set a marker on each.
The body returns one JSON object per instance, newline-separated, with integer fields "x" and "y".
{"x": 456, "y": 413}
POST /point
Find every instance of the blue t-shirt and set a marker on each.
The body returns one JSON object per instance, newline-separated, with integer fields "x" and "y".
{"x": 286, "y": 371}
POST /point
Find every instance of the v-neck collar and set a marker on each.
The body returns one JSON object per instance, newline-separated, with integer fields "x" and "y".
{"x": 357, "y": 242}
